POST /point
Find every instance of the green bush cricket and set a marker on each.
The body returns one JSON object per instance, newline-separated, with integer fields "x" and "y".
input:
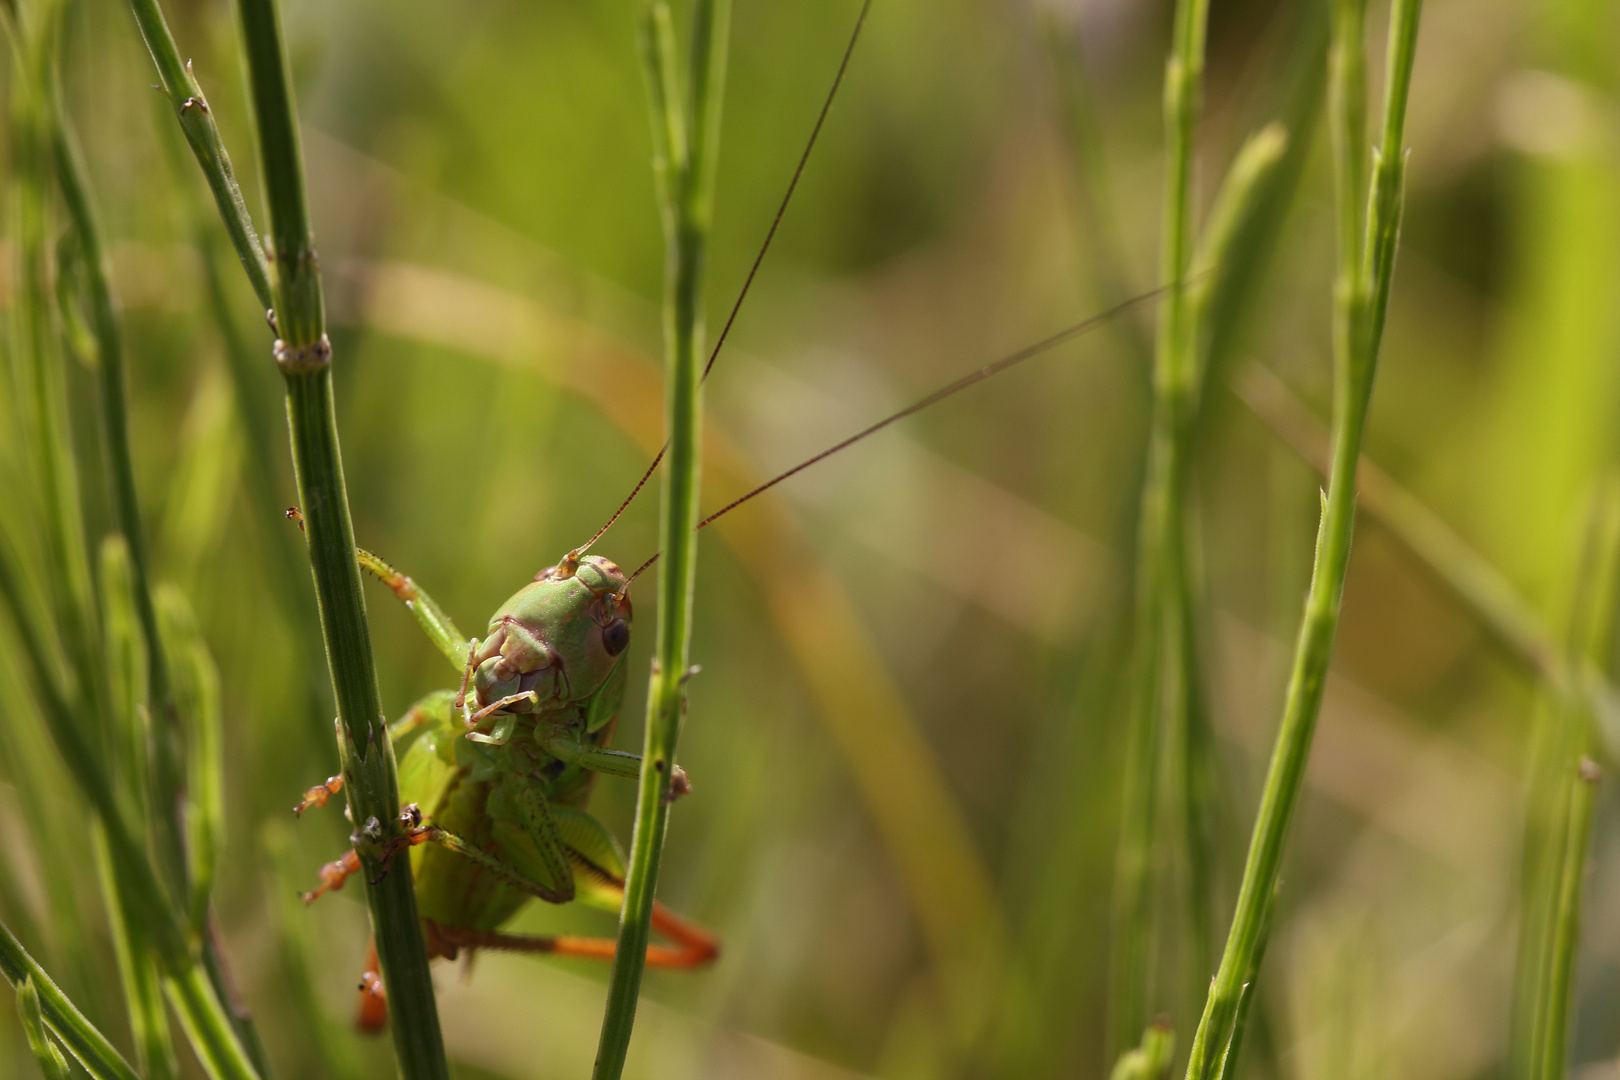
{"x": 503, "y": 768}
{"x": 495, "y": 776}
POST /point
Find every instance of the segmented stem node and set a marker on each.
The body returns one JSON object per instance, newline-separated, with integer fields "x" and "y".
{"x": 302, "y": 359}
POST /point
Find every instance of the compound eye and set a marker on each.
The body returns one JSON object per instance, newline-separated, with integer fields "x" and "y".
{"x": 616, "y": 637}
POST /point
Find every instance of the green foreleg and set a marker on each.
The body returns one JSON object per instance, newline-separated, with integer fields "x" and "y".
{"x": 429, "y": 615}
{"x": 565, "y": 745}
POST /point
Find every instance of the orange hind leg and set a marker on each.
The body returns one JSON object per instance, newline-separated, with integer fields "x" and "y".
{"x": 693, "y": 947}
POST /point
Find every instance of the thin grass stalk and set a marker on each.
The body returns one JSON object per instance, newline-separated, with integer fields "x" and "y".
{"x": 166, "y": 751}
{"x": 251, "y": 387}
{"x": 1254, "y": 233}
{"x": 196, "y": 120}
{"x": 144, "y": 901}
{"x": 1197, "y": 787}
{"x": 303, "y": 354}
{"x": 42, "y": 380}
{"x": 686, "y": 141}
{"x": 1566, "y": 922}
{"x": 1547, "y": 800}
{"x": 141, "y": 980}
{"x": 87, "y": 1045}
{"x": 123, "y": 672}
{"x": 81, "y": 720}
{"x": 1364, "y": 301}
{"x": 169, "y": 784}
{"x": 1558, "y": 808}
{"x": 1162, "y": 644}
{"x": 154, "y": 749}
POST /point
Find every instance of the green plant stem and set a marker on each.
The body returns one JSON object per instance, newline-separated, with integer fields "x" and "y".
{"x": 1558, "y": 811}
{"x": 1566, "y": 923}
{"x": 83, "y": 1041}
{"x": 196, "y": 120}
{"x": 303, "y": 353}
{"x": 1364, "y": 299}
{"x": 1164, "y": 661}
{"x": 686, "y": 145}
{"x": 140, "y": 976}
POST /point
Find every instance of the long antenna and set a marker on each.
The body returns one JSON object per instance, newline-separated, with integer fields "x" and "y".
{"x": 971, "y": 378}
{"x": 748, "y": 282}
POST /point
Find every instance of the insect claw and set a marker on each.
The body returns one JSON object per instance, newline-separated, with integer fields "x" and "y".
{"x": 318, "y": 795}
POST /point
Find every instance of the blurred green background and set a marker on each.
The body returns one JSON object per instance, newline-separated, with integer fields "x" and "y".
{"x": 904, "y": 740}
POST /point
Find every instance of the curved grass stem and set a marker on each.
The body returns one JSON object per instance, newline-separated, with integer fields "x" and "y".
{"x": 686, "y": 139}
{"x": 1362, "y": 295}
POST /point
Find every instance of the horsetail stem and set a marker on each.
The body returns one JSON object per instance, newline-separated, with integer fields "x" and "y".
{"x": 1361, "y": 296}
{"x": 686, "y": 137}
{"x": 303, "y": 353}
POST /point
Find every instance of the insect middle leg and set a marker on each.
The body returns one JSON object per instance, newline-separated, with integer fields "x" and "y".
{"x": 565, "y": 745}
{"x": 434, "y": 708}
{"x": 335, "y": 874}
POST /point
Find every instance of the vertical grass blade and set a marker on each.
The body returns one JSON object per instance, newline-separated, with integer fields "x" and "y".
{"x": 139, "y": 975}
{"x": 1558, "y": 810}
{"x": 1566, "y": 922}
{"x": 303, "y": 354}
{"x": 137, "y": 965}
{"x": 1362, "y": 294}
{"x": 686, "y": 144}
{"x": 197, "y": 698}
{"x": 1164, "y": 676}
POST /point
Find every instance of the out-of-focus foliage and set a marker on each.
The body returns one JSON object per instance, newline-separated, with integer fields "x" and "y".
{"x": 904, "y": 740}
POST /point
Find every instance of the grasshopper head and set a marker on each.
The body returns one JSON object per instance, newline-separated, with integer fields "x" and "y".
{"x": 560, "y": 637}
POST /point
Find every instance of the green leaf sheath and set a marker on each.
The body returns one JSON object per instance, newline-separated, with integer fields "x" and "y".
{"x": 304, "y": 356}
{"x": 1362, "y": 296}
{"x": 685, "y": 148}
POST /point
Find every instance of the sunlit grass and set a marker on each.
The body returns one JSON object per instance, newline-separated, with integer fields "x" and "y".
{"x": 908, "y": 739}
